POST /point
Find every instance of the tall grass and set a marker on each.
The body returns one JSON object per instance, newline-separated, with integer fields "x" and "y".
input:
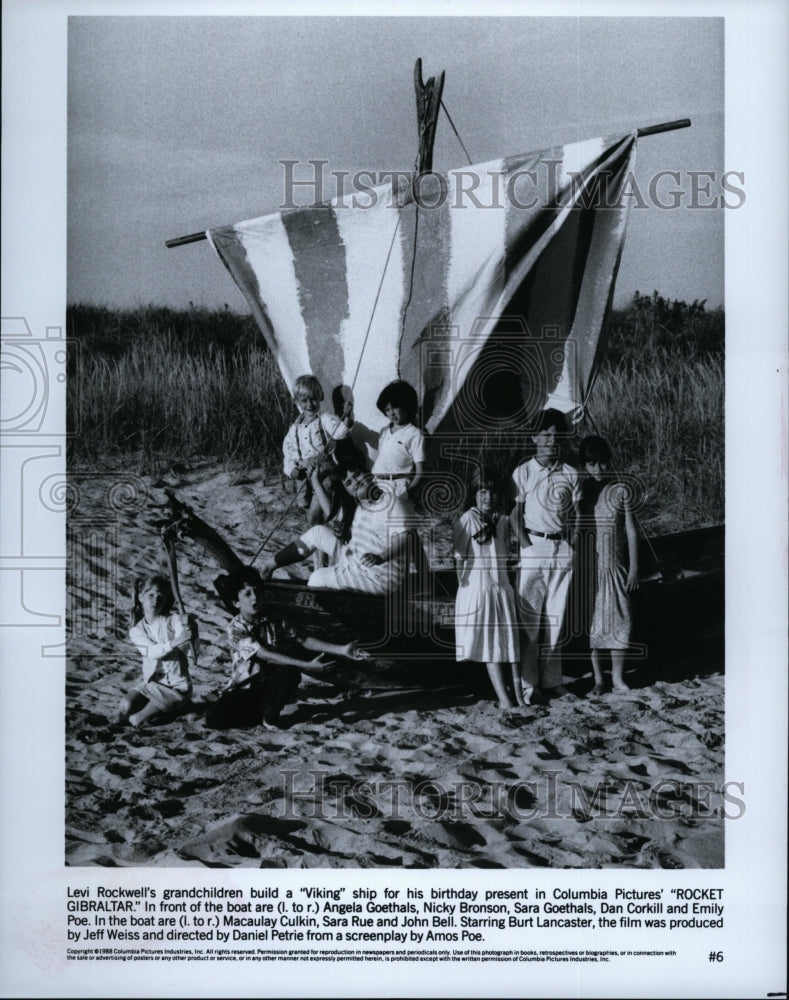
{"x": 160, "y": 389}
{"x": 152, "y": 386}
{"x": 665, "y": 425}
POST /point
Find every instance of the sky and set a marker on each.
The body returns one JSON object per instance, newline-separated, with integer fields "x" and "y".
{"x": 178, "y": 124}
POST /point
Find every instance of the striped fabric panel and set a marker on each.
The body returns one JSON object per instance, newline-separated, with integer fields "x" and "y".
{"x": 471, "y": 287}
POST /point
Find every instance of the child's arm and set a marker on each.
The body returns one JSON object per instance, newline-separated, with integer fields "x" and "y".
{"x": 270, "y": 656}
{"x": 522, "y": 535}
{"x": 320, "y": 493}
{"x": 413, "y": 484}
{"x": 396, "y": 548}
{"x": 632, "y": 546}
{"x": 336, "y": 427}
{"x": 350, "y": 650}
{"x": 417, "y": 449}
{"x": 290, "y": 453}
{"x": 158, "y": 650}
{"x": 460, "y": 544}
{"x": 347, "y": 414}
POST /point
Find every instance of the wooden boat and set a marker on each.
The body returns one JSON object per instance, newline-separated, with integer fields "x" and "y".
{"x": 681, "y": 592}
{"x": 494, "y": 311}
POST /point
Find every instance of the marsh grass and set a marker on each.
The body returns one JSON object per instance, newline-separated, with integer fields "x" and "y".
{"x": 154, "y": 386}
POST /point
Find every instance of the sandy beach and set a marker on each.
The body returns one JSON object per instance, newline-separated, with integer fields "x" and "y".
{"x": 368, "y": 773}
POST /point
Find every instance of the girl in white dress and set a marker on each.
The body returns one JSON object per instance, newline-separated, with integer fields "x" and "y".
{"x": 161, "y": 636}
{"x": 486, "y": 628}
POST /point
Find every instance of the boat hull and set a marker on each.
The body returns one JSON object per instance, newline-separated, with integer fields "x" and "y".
{"x": 681, "y": 592}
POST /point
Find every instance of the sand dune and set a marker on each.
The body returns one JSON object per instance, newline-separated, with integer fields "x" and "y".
{"x": 364, "y": 776}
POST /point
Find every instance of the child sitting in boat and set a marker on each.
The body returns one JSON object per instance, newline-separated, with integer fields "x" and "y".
{"x": 606, "y": 509}
{"x": 311, "y": 436}
{"x": 337, "y": 507}
{"x": 161, "y": 636}
{"x": 373, "y": 561}
{"x": 267, "y": 657}
{"x": 486, "y": 628}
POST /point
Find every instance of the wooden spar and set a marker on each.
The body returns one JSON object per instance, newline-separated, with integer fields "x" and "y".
{"x": 428, "y": 105}
{"x": 180, "y": 241}
{"x": 665, "y": 127}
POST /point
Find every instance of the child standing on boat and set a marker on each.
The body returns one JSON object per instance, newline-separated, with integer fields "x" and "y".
{"x": 399, "y": 467}
{"x": 486, "y": 627}
{"x": 401, "y": 444}
{"x": 161, "y": 636}
{"x": 548, "y": 492}
{"x": 312, "y": 435}
{"x": 606, "y": 509}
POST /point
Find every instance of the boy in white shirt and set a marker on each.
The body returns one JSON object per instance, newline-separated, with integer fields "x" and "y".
{"x": 548, "y": 492}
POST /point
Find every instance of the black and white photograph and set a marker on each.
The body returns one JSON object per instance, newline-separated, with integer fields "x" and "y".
{"x": 401, "y": 428}
{"x": 461, "y": 432}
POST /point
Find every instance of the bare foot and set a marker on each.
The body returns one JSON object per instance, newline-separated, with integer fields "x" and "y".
{"x": 599, "y": 688}
{"x": 521, "y": 692}
{"x": 620, "y": 686}
{"x": 504, "y": 705}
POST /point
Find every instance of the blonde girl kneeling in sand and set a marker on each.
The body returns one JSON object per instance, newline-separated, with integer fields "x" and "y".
{"x": 486, "y": 628}
{"x": 161, "y": 636}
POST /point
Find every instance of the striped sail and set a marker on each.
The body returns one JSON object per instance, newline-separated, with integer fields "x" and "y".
{"x": 488, "y": 292}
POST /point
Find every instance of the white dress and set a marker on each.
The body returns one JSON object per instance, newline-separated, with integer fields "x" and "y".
{"x": 485, "y": 620}
{"x": 611, "y": 618}
{"x": 165, "y": 668}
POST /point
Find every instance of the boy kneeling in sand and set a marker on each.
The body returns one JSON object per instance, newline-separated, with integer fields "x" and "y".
{"x": 266, "y": 657}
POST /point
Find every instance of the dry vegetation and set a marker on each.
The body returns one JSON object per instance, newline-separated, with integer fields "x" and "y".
{"x": 153, "y": 386}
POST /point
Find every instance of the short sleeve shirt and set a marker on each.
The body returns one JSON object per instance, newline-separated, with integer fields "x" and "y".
{"x": 247, "y": 640}
{"x": 399, "y": 449}
{"x": 549, "y": 495}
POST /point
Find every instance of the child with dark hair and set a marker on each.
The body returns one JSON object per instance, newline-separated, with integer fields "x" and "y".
{"x": 548, "y": 492}
{"x": 606, "y": 509}
{"x": 266, "y": 657}
{"x": 399, "y": 467}
{"x": 401, "y": 444}
{"x": 337, "y": 506}
{"x": 486, "y": 628}
{"x": 161, "y": 637}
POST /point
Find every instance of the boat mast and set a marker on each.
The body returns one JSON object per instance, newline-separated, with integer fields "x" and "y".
{"x": 428, "y": 105}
